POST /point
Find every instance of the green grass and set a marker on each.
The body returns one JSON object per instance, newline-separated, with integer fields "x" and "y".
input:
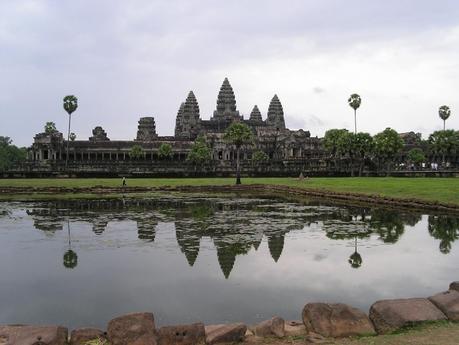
{"x": 429, "y": 189}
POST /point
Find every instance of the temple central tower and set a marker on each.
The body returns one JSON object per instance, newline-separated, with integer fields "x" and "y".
{"x": 226, "y": 104}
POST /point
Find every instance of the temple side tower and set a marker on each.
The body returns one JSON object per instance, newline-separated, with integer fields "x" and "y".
{"x": 275, "y": 114}
{"x": 146, "y": 130}
{"x": 179, "y": 120}
{"x": 226, "y": 103}
{"x": 255, "y": 115}
{"x": 188, "y": 118}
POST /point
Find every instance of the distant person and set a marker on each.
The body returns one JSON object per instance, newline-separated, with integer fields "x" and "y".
{"x": 124, "y": 181}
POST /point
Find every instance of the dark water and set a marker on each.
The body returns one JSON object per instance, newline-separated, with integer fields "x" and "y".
{"x": 215, "y": 259}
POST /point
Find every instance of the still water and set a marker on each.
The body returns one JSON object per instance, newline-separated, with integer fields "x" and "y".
{"x": 214, "y": 259}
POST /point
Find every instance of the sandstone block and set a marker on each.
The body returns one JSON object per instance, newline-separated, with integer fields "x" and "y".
{"x": 294, "y": 328}
{"x": 81, "y": 336}
{"x": 182, "y": 334}
{"x": 132, "y": 329}
{"x": 31, "y": 335}
{"x": 390, "y": 315}
{"x": 448, "y": 303}
{"x": 271, "y": 327}
{"x": 336, "y": 320}
{"x": 454, "y": 286}
{"x": 225, "y": 333}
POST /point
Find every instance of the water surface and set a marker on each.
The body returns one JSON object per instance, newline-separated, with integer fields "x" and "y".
{"x": 214, "y": 259}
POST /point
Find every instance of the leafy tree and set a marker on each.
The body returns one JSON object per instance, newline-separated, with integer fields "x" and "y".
{"x": 10, "y": 154}
{"x": 362, "y": 148}
{"x": 136, "y": 152}
{"x": 443, "y": 143}
{"x": 336, "y": 143}
{"x": 50, "y": 128}
{"x": 70, "y": 105}
{"x": 238, "y": 134}
{"x": 165, "y": 150}
{"x": 444, "y": 112}
{"x": 72, "y": 136}
{"x": 259, "y": 156}
{"x": 416, "y": 156}
{"x": 388, "y": 145}
{"x": 200, "y": 152}
{"x": 354, "y": 102}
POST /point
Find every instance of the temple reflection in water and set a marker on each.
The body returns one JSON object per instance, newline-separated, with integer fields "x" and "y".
{"x": 236, "y": 226}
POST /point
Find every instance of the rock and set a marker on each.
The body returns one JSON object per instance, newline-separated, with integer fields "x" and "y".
{"x": 271, "y": 327}
{"x": 314, "y": 338}
{"x": 30, "y": 335}
{"x": 132, "y": 329}
{"x": 294, "y": 328}
{"x": 454, "y": 286}
{"x": 225, "y": 333}
{"x": 182, "y": 334}
{"x": 81, "y": 336}
{"x": 390, "y": 315}
{"x": 336, "y": 320}
{"x": 448, "y": 303}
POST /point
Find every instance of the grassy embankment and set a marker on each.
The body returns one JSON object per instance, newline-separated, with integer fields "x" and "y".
{"x": 445, "y": 190}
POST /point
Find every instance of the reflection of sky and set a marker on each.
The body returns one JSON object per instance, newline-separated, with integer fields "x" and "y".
{"x": 117, "y": 273}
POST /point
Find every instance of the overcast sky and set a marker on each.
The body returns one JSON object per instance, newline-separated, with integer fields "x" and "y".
{"x": 127, "y": 59}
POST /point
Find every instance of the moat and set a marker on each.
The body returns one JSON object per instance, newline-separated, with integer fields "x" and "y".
{"x": 213, "y": 258}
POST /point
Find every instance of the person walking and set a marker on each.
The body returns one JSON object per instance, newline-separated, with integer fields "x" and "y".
{"x": 124, "y": 181}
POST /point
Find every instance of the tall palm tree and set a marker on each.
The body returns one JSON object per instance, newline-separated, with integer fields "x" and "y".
{"x": 444, "y": 112}
{"x": 354, "y": 102}
{"x": 70, "y": 105}
{"x": 238, "y": 134}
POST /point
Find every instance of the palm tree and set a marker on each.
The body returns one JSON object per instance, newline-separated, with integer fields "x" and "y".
{"x": 444, "y": 112}
{"x": 354, "y": 102}
{"x": 238, "y": 134}
{"x": 70, "y": 105}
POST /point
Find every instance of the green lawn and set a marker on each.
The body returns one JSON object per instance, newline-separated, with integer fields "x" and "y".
{"x": 431, "y": 189}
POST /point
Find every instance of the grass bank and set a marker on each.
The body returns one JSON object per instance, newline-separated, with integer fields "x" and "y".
{"x": 443, "y": 190}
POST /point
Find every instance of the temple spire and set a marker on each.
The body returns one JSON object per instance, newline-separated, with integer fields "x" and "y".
{"x": 226, "y": 103}
{"x": 255, "y": 115}
{"x": 276, "y": 114}
{"x": 188, "y": 118}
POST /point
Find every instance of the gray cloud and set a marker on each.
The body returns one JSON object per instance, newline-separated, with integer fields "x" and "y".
{"x": 130, "y": 59}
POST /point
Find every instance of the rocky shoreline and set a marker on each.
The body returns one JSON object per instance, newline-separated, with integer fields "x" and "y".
{"x": 410, "y": 203}
{"x": 319, "y": 322}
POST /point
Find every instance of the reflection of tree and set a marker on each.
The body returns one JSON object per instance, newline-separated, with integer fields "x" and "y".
{"x": 355, "y": 260}
{"x": 70, "y": 257}
{"x": 390, "y": 225}
{"x": 445, "y": 229}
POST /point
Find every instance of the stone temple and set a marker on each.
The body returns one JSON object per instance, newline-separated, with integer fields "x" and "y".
{"x": 289, "y": 151}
